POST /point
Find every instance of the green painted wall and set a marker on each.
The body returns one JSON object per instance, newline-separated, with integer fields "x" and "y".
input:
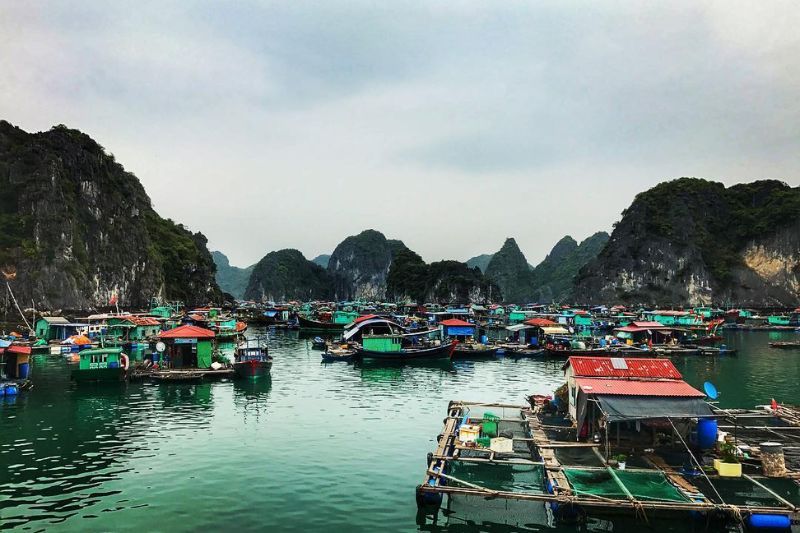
{"x": 203, "y": 353}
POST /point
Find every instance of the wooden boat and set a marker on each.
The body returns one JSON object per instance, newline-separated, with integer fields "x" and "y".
{"x": 471, "y": 350}
{"x": 316, "y": 325}
{"x": 786, "y": 345}
{"x": 389, "y": 348}
{"x": 338, "y": 354}
{"x": 101, "y": 364}
{"x": 252, "y": 359}
{"x": 318, "y": 343}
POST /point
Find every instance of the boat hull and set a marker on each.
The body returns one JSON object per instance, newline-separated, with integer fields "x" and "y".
{"x": 251, "y": 369}
{"x": 316, "y": 325}
{"x": 466, "y": 353}
{"x": 444, "y": 351}
{"x": 99, "y": 375}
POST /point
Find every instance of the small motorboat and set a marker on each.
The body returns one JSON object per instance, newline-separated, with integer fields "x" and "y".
{"x": 338, "y": 354}
{"x": 252, "y": 359}
{"x": 318, "y": 343}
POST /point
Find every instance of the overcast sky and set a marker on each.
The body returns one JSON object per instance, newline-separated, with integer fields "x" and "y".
{"x": 450, "y": 125}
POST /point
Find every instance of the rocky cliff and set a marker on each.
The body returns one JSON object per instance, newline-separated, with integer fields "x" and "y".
{"x": 76, "y": 229}
{"x": 287, "y": 275}
{"x": 480, "y": 261}
{"x": 322, "y": 260}
{"x": 231, "y": 279}
{"x": 360, "y": 263}
{"x": 695, "y": 241}
{"x": 511, "y": 272}
{"x": 553, "y": 279}
{"x": 411, "y": 279}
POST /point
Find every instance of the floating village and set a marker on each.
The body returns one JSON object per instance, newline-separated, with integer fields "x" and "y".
{"x": 624, "y": 435}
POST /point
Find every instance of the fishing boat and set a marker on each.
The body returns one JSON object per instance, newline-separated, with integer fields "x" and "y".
{"x": 318, "y": 325}
{"x": 473, "y": 350}
{"x": 101, "y": 364}
{"x": 318, "y": 343}
{"x": 391, "y": 348}
{"x": 252, "y": 359}
{"x": 333, "y": 355}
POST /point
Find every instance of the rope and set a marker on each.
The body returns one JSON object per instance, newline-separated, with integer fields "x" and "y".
{"x": 18, "y": 309}
{"x": 693, "y": 458}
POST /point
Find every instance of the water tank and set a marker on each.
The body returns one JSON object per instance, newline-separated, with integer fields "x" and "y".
{"x": 707, "y": 433}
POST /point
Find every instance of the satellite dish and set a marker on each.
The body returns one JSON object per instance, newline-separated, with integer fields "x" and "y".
{"x": 711, "y": 390}
{"x": 160, "y": 346}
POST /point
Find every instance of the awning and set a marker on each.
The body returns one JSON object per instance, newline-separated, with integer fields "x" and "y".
{"x": 555, "y": 331}
{"x": 620, "y": 408}
{"x": 519, "y": 327}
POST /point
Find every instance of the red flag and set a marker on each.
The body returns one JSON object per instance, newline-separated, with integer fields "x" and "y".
{"x": 113, "y": 300}
{"x": 774, "y": 405}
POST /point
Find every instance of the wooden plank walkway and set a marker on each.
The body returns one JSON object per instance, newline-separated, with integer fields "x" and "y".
{"x": 555, "y": 475}
{"x": 675, "y": 477}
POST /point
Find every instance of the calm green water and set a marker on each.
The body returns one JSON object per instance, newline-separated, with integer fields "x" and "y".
{"x": 318, "y": 446}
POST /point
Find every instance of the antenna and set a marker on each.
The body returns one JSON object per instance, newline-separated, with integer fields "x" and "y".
{"x": 711, "y": 390}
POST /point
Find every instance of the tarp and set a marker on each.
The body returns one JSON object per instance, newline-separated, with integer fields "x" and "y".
{"x": 519, "y": 327}
{"x": 618, "y": 408}
{"x": 555, "y": 331}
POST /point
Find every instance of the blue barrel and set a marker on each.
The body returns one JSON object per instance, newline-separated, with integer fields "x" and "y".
{"x": 707, "y": 433}
{"x": 11, "y": 389}
{"x": 24, "y": 368}
{"x": 770, "y": 521}
{"x": 484, "y": 339}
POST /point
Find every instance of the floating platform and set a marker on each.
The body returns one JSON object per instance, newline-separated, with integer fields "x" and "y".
{"x": 547, "y": 466}
{"x": 178, "y": 375}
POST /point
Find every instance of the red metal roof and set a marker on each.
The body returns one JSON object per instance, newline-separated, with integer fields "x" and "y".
{"x": 144, "y": 321}
{"x": 456, "y": 322}
{"x": 187, "y": 332}
{"x": 602, "y": 367}
{"x": 365, "y": 317}
{"x": 646, "y": 324}
{"x": 638, "y": 387}
{"x": 540, "y": 322}
{"x": 16, "y": 348}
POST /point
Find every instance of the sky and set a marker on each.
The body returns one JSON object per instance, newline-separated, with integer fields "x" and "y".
{"x": 449, "y": 125}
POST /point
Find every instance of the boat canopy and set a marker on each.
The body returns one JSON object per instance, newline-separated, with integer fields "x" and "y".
{"x": 358, "y": 326}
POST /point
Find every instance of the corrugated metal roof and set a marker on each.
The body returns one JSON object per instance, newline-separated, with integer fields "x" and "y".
{"x": 602, "y": 367}
{"x": 456, "y": 322}
{"x": 638, "y": 387}
{"x": 187, "y": 332}
{"x": 540, "y": 322}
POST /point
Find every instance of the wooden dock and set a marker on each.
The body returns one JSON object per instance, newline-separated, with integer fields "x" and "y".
{"x": 555, "y": 475}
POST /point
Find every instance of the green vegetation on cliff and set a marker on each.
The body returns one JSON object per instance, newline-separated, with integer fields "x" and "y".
{"x": 410, "y": 278}
{"x": 78, "y": 228}
{"x": 687, "y": 239}
{"x": 287, "y": 275}
{"x": 231, "y": 279}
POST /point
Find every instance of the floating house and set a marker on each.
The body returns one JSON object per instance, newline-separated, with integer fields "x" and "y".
{"x": 611, "y": 390}
{"x": 132, "y": 328}
{"x": 14, "y": 361}
{"x": 458, "y": 329}
{"x": 56, "y": 328}
{"x": 188, "y": 347}
{"x": 645, "y": 332}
